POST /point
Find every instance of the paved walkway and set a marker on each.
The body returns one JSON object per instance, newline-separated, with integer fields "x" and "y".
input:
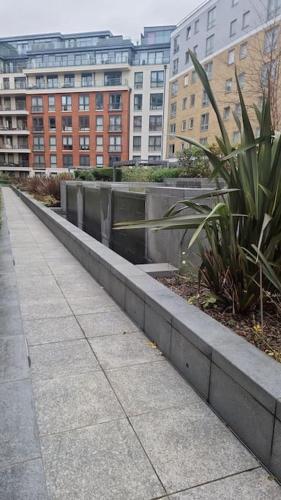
{"x": 99, "y": 414}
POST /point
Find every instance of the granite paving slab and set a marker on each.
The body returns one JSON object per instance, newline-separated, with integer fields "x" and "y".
{"x": 44, "y": 331}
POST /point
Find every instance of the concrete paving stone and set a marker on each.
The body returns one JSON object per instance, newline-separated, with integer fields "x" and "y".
{"x": 141, "y": 389}
{"x": 250, "y": 485}
{"x": 62, "y": 358}
{"x": 124, "y": 350}
{"x": 87, "y": 305}
{"x": 190, "y": 446}
{"x": 30, "y": 283}
{"x": 32, "y": 269}
{"x": 11, "y": 325}
{"x": 40, "y": 310}
{"x": 18, "y": 432}
{"x": 23, "y": 481}
{"x": 104, "y": 461}
{"x": 107, "y": 323}
{"x": 60, "y": 268}
{"x": 13, "y": 358}
{"x": 43, "y": 331}
{"x": 66, "y": 403}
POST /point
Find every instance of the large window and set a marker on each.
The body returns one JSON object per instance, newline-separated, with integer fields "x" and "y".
{"x": 37, "y": 104}
{"x": 137, "y": 143}
{"x": 157, "y": 79}
{"x": 66, "y": 103}
{"x": 66, "y": 123}
{"x": 38, "y": 124}
{"x": 115, "y": 123}
{"x": 84, "y": 123}
{"x": 155, "y": 123}
{"x": 115, "y": 102}
{"x": 204, "y": 124}
{"x": 39, "y": 161}
{"x": 137, "y": 123}
{"x": 69, "y": 80}
{"x": 51, "y": 103}
{"x": 84, "y": 142}
{"x": 86, "y": 80}
{"x": 99, "y": 102}
{"x": 113, "y": 78}
{"x": 155, "y": 143}
{"x": 211, "y": 22}
{"x": 52, "y": 123}
{"x": 67, "y": 161}
{"x": 84, "y": 103}
{"x": 53, "y": 143}
{"x": 99, "y": 143}
{"x": 137, "y": 102}
{"x": 38, "y": 143}
{"x": 210, "y": 45}
{"x": 246, "y": 20}
{"x": 67, "y": 142}
{"x": 233, "y": 28}
{"x": 156, "y": 101}
{"x": 52, "y": 81}
{"x": 99, "y": 123}
{"x": 138, "y": 80}
{"x": 84, "y": 160}
{"x": 115, "y": 144}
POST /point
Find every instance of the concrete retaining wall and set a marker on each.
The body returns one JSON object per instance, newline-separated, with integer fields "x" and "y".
{"x": 241, "y": 383}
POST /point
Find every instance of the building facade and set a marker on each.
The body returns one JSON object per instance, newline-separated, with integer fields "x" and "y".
{"x": 224, "y": 34}
{"x": 82, "y": 100}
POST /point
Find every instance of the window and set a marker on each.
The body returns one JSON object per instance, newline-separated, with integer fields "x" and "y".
{"x": 174, "y": 88}
{"x": 39, "y": 161}
{"x": 69, "y": 80}
{"x": 238, "y": 109}
{"x": 37, "y": 104}
{"x": 53, "y": 161}
{"x": 115, "y": 144}
{"x": 186, "y": 80}
{"x": 138, "y": 80}
{"x": 113, "y": 78}
{"x": 37, "y": 124}
{"x": 137, "y": 123}
{"x": 99, "y": 102}
{"x": 66, "y": 102}
{"x": 137, "y": 102}
{"x": 52, "y": 123}
{"x": 173, "y": 109}
{"x": 38, "y": 143}
{"x": 40, "y": 82}
{"x": 242, "y": 79}
{"x": 52, "y": 81}
{"x": 196, "y": 26}
{"x": 20, "y": 103}
{"x": 226, "y": 113}
{"x": 137, "y": 143}
{"x": 99, "y": 143}
{"x": 66, "y": 123}
{"x": 115, "y": 123}
{"x": 209, "y": 69}
{"x": 184, "y": 103}
{"x": 274, "y": 8}
{"x": 67, "y": 161}
{"x": 210, "y": 45}
{"x": 203, "y": 141}
{"x": 84, "y": 123}
{"x": 228, "y": 85}
{"x": 192, "y": 100}
{"x": 176, "y": 44}
{"x": 193, "y": 77}
{"x": 246, "y": 20}
{"x": 99, "y": 160}
{"x": 156, "y": 101}
{"x": 268, "y": 73}
{"x": 236, "y": 137}
{"x": 204, "y": 123}
{"x": 231, "y": 56}
{"x": 171, "y": 150}
{"x": 84, "y": 160}
{"x": 99, "y": 123}
{"x": 175, "y": 66}
{"x": 183, "y": 126}
{"x": 173, "y": 128}
{"x": 270, "y": 40}
{"x": 188, "y": 32}
{"x": 20, "y": 83}
{"x": 205, "y": 99}
{"x": 211, "y": 21}
{"x": 84, "y": 103}
{"x": 156, "y": 79}
{"x": 243, "y": 50}
{"x": 51, "y": 103}
{"x": 67, "y": 142}
{"x": 86, "y": 80}
{"x": 155, "y": 123}
{"x": 84, "y": 142}
{"x": 53, "y": 143}
{"x": 190, "y": 123}
{"x": 187, "y": 57}
{"x": 233, "y": 27}
{"x": 154, "y": 143}
{"x": 115, "y": 102}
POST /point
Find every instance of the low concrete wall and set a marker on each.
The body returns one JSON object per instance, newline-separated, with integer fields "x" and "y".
{"x": 241, "y": 383}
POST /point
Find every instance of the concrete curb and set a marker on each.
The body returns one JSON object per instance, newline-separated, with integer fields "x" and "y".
{"x": 241, "y": 383}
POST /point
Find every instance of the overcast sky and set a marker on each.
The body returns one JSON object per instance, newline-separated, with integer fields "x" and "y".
{"x": 120, "y": 16}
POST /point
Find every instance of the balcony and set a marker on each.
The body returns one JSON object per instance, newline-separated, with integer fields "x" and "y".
{"x": 112, "y": 82}
{"x": 4, "y": 148}
{"x": 14, "y": 131}
{"x": 8, "y": 111}
{"x": 115, "y": 108}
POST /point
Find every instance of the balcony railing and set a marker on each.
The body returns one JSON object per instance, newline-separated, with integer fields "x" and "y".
{"x": 115, "y": 128}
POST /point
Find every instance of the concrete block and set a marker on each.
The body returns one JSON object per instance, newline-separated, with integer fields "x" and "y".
{"x": 275, "y": 462}
{"x": 191, "y": 362}
{"x": 164, "y": 270}
{"x": 158, "y": 330}
{"x": 134, "y": 307}
{"x": 246, "y": 416}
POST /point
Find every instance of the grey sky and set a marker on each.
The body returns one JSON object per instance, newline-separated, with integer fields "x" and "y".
{"x": 120, "y": 16}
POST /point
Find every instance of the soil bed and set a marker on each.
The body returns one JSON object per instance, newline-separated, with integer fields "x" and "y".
{"x": 247, "y": 326}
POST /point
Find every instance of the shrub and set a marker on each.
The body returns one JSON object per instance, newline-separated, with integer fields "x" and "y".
{"x": 98, "y": 174}
{"x": 44, "y": 186}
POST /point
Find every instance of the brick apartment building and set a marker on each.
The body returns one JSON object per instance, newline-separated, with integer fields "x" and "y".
{"x": 224, "y": 34}
{"x": 82, "y": 100}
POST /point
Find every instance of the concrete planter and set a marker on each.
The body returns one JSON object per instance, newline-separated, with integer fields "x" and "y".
{"x": 241, "y": 383}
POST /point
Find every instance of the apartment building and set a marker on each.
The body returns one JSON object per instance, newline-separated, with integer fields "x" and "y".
{"x": 82, "y": 100}
{"x": 224, "y": 34}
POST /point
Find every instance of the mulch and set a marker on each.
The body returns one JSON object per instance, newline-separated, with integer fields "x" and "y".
{"x": 247, "y": 326}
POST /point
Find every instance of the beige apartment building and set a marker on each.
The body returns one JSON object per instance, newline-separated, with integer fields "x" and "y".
{"x": 225, "y": 35}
